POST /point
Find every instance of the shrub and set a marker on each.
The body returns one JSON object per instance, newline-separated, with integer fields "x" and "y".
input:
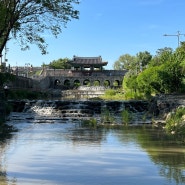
{"x": 175, "y": 123}
{"x": 107, "y": 117}
{"x": 89, "y": 123}
{"x": 126, "y": 116}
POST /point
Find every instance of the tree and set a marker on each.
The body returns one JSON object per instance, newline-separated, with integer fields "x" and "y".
{"x": 162, "y": 55}
{"x": 143, "y": 59}
{"x": 60, "y": 64}
{"x": 125, "y": 62}
{"x": 5, "y": 78}
{"x": 28, "y": 20}
{"x": 164, "y": 78}
{"x": 149, "y": 81}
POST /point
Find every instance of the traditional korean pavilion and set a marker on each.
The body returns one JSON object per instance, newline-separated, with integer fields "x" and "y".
{"x": 87, "y": 63}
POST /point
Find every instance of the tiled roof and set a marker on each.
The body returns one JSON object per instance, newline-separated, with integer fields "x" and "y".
{"x": 88, "y": 60}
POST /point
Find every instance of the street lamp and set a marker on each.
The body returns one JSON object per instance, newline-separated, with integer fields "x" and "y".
{"x": 176, "y": 35}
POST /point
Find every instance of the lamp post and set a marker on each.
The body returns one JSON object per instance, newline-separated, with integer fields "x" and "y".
{"x": 176, "y": 35}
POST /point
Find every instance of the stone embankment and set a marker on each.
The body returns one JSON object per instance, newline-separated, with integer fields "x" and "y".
{"x": 160, "y": 106}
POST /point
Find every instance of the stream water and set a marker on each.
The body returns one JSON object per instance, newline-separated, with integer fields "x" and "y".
{"x": 62, "y": 152}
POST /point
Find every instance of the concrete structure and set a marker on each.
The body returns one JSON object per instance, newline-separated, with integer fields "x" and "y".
{"x": 85, "y": 71}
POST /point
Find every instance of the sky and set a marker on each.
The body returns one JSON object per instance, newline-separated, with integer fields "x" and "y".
{"x": 110, "y": 28}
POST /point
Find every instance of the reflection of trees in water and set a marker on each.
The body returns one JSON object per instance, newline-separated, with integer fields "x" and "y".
{"x": 163, "y": 150}
{"x": 5, "y": 135}
{"x": 171, "y": 166}
{"x": 87, "y": 135}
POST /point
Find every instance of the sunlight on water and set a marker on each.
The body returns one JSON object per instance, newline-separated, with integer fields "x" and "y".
{"x": 65, "y": 154}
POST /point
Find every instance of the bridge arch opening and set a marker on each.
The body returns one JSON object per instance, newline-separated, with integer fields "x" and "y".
{"x": 77, "y": 83}
{"x": 86, "y": 82}
{"x": 106, "y": 83}
{"x": 67, "y": 83}
{"x": 57, "y": 82}
{"x": 96, "y": 83}
{"x": 116, "y": 83}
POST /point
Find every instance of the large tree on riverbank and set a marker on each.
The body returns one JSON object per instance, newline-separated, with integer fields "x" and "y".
{"x": 28, "y": 20}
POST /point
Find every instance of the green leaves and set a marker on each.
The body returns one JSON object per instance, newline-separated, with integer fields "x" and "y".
{"x": 164, "y": 73}
{"x": 27, "y": 20}
{"x": 6, "y": 77}
{"x": 60, "y": 64}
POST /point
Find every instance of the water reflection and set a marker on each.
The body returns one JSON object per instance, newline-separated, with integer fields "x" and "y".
{"x": 167, "y": 154}
{"x": 5, "y": 136}
{"x": 67, "y": 154}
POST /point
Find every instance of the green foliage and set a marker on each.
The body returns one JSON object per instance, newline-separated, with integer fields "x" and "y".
{"x": 130, "y": 82}
{"x": 6, "y": 77}
{"x": 110, "y": 92}
{"x": 143, "y": 59}
{"x": 164, "y": 73}
{"x": 125, "y": 62}
{"x": 126, "y": 116}
{"x": 27, "y": 21}
{"x": 134, "y": 64}
{"x": 96, "y": 83}
{"x": 107, "y": 117}
{"x": 136, "y": 95}
{"x": 162, "y": 55}
{"x": 113, "y": 94}
{"x": 148, "y": 81}
{"x": 60, "y": 64}
{"x": 175, "y": 123}
{"x": 92, "y": 122}
{"x": 77, "y": 83}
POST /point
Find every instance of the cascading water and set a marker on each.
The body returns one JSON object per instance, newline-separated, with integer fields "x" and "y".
{"x": 42, "y": 111}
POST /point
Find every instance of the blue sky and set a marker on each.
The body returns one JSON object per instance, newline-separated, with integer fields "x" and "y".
{"x": 110, "y": 28}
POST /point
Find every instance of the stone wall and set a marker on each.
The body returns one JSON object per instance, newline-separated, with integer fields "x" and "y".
{"x": 21, "y": 82}
{"x": 161, "y": 105}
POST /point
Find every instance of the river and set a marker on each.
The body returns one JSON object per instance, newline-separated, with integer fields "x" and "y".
{"x": 62, "y": 152}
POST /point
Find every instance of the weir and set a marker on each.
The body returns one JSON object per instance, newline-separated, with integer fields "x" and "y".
{"x": 44, "y": 111}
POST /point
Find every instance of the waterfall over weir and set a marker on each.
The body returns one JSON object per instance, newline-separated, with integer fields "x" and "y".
{"x": 50, "y": 111}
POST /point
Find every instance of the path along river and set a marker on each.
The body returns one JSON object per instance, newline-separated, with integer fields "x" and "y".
{"x": 64, "y": 153}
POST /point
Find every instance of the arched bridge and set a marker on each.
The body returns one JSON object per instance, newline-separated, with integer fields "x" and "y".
{"x": 72, "y": 78}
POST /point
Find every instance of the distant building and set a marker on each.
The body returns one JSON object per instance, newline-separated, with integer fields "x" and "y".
{"x": 87, "y": 63}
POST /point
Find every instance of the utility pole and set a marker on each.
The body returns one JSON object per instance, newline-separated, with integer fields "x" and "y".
{"x": 176, "y": 35}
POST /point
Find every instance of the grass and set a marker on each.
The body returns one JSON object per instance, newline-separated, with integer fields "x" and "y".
{"x": 175, "y": 123}
{"x": 126, "y": 117}
{"x": 92, "y": 123}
